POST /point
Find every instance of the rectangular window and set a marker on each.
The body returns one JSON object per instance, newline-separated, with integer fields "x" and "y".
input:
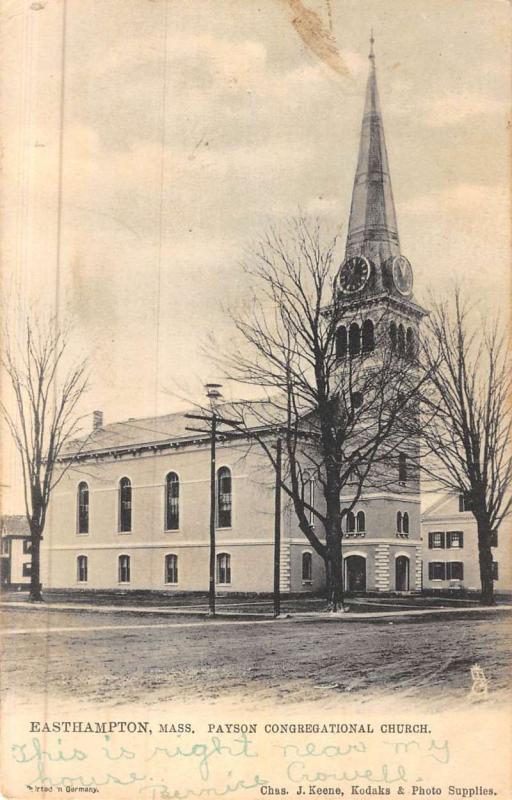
{"x": 465, "y": 502}
{"x": 494, "y": 538}
{"x": 436, "y": 540}
{"x": 436, "y": 571}
{"x": 27, "y": 546}
{"x": 27, "y": 569}
{"x": 5, "y": 546}
{"x": 495, "y": 571}
{"x": 171, "y": 568}
{"x": 124, "y": 569}
{"x": 455, "y": 539}
{"x": 81, "y": 564}
{"x": 455, "y": 571}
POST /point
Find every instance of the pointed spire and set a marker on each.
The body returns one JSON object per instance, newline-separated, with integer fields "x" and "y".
{"x": 372, "y": 229}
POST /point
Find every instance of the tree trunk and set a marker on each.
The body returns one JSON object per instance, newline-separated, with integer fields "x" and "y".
{"x": 35, "y": 575}
{"x": 485, "y": 561}
{"x": 334, "y": 575}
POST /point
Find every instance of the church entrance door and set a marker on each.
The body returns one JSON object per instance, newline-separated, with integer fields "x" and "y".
{"x": 402, "y": 574}
{"x": 355, "y": 574}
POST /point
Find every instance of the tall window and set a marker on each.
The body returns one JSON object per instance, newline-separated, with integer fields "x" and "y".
{"x": 171, "y": 568}
{"x": 124, "y": 569}
{"x": 308, "y": 495}
{"x": 410, "y": 344}
{"x": 402, "y": 468}
{"x": 125, "y": 505}
{"x": 393, "y": 336}
{"x": 307, "y": 567}
{"x": 401, "y": 340}
{"x": 495, "y": 571}
{"x": 405, "y": 522}
{"x": 399, "y": 521}
{"x": 223, "y": 568}
{"x": 83, "y": 508}
{"x": 360, "y": 522}
{"x": 368, "y": 336}
{"x": 172, "y": 502}
{"x": 26, "y": 570}
{"x": 81, "y": 569}
{"x": 351, "y": 522}
{"x": 354, "y": 339}
{"x": 27, "y": 547}
{"x": 341, "y": 342}
{"x": 224, "y": 498}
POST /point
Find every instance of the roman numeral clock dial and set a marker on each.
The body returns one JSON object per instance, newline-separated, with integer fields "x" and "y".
{"x": 402, "y": 275}
{"x": 353, "y": 275}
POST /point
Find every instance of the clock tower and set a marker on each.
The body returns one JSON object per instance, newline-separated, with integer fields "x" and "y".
{"x": 381, "y": 541}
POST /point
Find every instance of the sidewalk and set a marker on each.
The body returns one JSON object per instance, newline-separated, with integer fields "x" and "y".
{"x": 324, "y": 616}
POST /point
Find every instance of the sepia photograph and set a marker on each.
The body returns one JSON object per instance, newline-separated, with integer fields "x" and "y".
{"x": 255, "y": 399}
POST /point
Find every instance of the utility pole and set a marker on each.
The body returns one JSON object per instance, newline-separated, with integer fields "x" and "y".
{"x": 214, "y": 419}
{"x": 277, "y": 533}
{"x": 213, "y": 511}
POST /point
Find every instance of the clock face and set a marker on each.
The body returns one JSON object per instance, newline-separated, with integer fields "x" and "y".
{"x": 353, "y": 274}
{"x": 402, "y": 275}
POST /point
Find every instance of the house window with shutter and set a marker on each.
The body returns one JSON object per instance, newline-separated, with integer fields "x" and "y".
{"x": 436, "y": 571}
{"x": 455, "y": 571}
{"x": 455, "y": 539}
{"x": 436, "y": 540}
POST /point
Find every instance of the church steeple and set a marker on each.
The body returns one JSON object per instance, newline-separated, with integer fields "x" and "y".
{"x": 372, "y": 229}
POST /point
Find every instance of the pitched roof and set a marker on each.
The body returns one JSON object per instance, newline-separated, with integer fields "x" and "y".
{"x": 15, "y": 524}
{"x": 166, "y": 429}
{"x": 372, "y": 225}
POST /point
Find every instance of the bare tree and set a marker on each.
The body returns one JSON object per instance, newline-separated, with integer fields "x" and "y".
{"x": 41, "y": 415}
{"x": 468, "y": 438}
{"x": 345, "y": 409}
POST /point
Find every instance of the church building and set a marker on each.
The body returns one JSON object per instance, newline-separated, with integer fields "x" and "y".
{"x": 132, "y": 510}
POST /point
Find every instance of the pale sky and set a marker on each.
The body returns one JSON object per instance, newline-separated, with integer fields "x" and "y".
{"x": 188, "y": 126}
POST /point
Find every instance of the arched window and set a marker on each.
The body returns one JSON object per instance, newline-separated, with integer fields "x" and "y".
{"x": 172, "y": 502}
{"x": 401, "y": 340}
{"x": 223, "y": 568}
{"x": 354, "y": 339}
{"x": 392, "y": 336}
{"x": 368, "y": 336}
{"x": 224, "y": 498}
{"x": 124, "y": 569}
{"x": 402, "y": 468}
{"x": 361, "y": 522}
{"x": 405, "y": 524}
{"x": 83, "y": 508}
{"x": 351, "y": 522}
{"x": 341, "y": 342}
{"x": 81, "y": 569}
{"x": 399, "y": 521}
{"x": 307, "y": 567}
{"x": 308, "y": 495}
{"x": 410, "y": 344}
{"x": 171, "y": 568}
{"x": 125, "y": 505}
{"x": 357, "y": 399}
